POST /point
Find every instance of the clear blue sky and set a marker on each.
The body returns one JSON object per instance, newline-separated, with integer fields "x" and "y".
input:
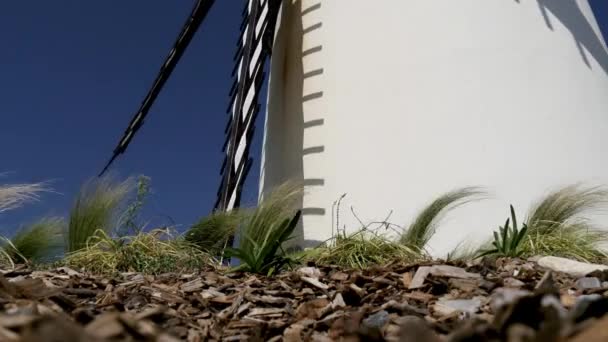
{"x": 74, "y": 72}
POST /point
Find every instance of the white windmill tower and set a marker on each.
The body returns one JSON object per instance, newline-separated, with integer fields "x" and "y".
{"x": 397, "y": 101}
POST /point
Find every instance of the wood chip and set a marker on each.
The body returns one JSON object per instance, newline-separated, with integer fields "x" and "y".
{"x": 465, "y": 285}
{"x": 192, "y": 286}
{"x": 106, "y": 326}
{"x": 321, "y": 302}
{"x": 419, "y": 277}
{"x": 406, "y": 279}
{"x": 339, "y": 276}
{"x": 452, "y": 272}
{"x": 419, "y": 296}
{"x": 338, "y": 301}
{"x": 315, "y": 282}
{"x": 265, "y": 311}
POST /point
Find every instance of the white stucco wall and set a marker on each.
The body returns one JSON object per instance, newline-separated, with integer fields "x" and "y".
{"x": 397, "y": 101}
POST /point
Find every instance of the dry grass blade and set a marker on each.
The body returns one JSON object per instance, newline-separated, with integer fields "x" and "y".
{"x": 96, "y": 208}
{"x": 425, "y": 225}
{"x": 14, "y": 195}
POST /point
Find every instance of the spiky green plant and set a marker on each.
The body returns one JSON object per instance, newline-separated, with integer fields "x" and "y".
{"x": 418, "y": 234}
{"x": 266, "y": 229}
{"x": 96, "y": 209}
{"x": 14, "y": 195}
{"x": 360, "y": 250}
{"x": 559, "y": 224}
{"x": 154, "y": 252}
{"x": 507, "y": 241}
{"x": 264, "y": 254}
{"x": 212, "y": 232}
{"x": 36, "y": 242}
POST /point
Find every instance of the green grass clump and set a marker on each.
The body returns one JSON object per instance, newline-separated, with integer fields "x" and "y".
{"x": 366, "y": 247}
{"x": 360, "y": 250}
{"x": 150, "y": 253}
{"x": 96, "y": 209}
{"x": 262, "y": 231}
{"x": 36, "y": 242}
{"x": 559, "y": 225}
{"x": 212, "y": 233}
{"x": 418, "y": 234}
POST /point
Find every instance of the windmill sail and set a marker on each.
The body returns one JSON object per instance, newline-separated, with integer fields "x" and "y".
{"x": 253, "y": 48}
{"x": 199, "y": 12}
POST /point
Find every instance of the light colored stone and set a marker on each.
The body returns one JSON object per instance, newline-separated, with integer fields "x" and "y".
{"x": 504, "y": 296}
{"x": 568, "y": 266}
{"x": 377, "y": 320}
{"x": 588, "y": 283}
{"x": 512, "y": 282}
{"x": 440, "y": 271}
{"x": 445, "y": 307}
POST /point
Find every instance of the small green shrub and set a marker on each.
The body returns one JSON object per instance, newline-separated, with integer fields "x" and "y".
{"x": 507, "y": 241}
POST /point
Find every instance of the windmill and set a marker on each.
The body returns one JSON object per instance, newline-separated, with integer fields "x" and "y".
{"x": 397, "y": 102}
{"x": 253, "y": 48}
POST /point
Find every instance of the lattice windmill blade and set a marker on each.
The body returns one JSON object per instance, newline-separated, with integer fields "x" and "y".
{"x": 197, "y": 16}
{"x": 253, "y": 48}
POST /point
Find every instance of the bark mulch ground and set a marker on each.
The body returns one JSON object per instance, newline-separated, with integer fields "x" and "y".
{"x": 506, "y": 300}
